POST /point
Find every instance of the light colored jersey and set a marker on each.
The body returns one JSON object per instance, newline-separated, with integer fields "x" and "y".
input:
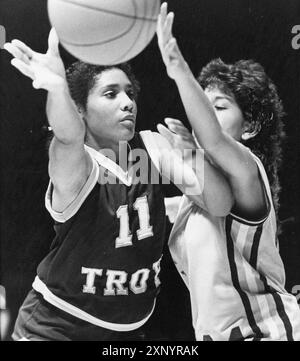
{"x": 234, "y": 273}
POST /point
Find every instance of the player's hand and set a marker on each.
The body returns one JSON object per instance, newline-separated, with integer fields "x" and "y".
{"x": 169, "y": 49}
{"x": 46, "y": 70}
{"x": 178, "y": 135}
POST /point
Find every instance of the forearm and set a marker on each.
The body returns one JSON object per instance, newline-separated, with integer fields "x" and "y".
{"x": 221, "y": 148}
{"x": 199, "y": 111}
{"x": 63, "y": 117}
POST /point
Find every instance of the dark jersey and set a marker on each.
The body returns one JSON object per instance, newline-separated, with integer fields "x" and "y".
{"x": 103, "y": 266}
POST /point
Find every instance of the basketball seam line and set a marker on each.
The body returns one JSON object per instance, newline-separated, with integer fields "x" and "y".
{"x": 109, "y": 11}
{"x": 100, "y": 42}
{"x": 133, "y": 43}
{"x": 108, "y": 40}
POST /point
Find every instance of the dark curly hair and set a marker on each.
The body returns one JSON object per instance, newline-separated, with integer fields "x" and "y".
{"x": 81, "y": 79}
{"x": 257, "y": 97}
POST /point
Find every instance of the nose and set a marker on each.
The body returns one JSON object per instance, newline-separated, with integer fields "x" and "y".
{"x": 127, "y": 104}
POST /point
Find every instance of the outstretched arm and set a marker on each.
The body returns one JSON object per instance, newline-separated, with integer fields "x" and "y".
{"x": 69, "y": 165}
{"x": 187, "y": 167}
{"x": 235, "y": 161}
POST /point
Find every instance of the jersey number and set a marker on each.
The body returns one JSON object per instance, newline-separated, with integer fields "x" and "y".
{"x": 145, "y": 230}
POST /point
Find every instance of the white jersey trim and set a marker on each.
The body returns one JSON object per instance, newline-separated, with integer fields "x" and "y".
{"x": 152, "y": 147}
{"x": 40, "y": 287}
{"x": 109, "y": 164}
{"x": 76, "y": 204}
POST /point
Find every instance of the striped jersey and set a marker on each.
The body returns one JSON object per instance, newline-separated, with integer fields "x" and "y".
{"x": 234, "y": 273}
{"x": 104, "y": 263}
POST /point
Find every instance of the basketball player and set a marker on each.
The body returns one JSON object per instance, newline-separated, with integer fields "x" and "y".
{"x": 101, "y": 276}
{"x": 231, "y": 264}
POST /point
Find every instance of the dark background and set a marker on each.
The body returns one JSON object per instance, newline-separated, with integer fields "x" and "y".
{"x": 205, "y": 29}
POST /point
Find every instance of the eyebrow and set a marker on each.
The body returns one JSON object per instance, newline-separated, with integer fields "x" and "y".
{"x": 221, "y": 97}
{"x": 115, "y": 86}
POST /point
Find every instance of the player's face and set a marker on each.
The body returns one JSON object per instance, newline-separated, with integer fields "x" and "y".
{"x": 227, "y": 111}
{"x": 111, "y": 109}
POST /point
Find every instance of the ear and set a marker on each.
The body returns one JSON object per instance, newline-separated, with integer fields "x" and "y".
{"x": 81, "y": 112}
{"x": 250, "y": 131}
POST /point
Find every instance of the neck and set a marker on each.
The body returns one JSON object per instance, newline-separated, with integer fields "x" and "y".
{"x": 114, "y": 151}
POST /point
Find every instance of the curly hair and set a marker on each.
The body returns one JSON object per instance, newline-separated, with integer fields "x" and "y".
{"x": 81, "y": 78}
{"x": 257, "y": 97}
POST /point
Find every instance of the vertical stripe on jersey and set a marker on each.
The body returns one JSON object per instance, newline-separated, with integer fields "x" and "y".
{"x": 255, "y": 246}
{"x": 236, "y": 284}
{"x": 280, "y": 309}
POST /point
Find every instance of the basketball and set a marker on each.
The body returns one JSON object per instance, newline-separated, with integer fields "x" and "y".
{"x": 104, "y": 32}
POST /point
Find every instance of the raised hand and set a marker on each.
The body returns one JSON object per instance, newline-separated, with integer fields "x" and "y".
{"x": 46, "y": 70}
{"x": 169, "y": 49}
{"x": 177, "y": 134}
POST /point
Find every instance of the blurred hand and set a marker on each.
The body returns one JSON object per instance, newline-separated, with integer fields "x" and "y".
{"x": 177, "y": 134}
{"x": 46, "y": 70}
{"x": 169, "y": 49}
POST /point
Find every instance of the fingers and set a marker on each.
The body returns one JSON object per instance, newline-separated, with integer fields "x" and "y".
{"x": 164, "y": 25}
{"x": 22, "y": 56}
{"x": 13, "y": 50}
{"x": 176, "y": 126}
{"x": 174, "y": 121}
{"x": 162, "y": 16}
{"x": 167, "y": 28}
{"x": 53, "y": 42}
{"x": 166, "y": 133}
{"x": 25, "y": 49}
{"x": 22, "y": 67}
{"x": 17, "y": 51}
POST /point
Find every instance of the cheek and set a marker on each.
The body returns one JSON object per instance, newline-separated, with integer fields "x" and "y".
{"x": 99, "y": 114}
{"x": 230, "y": 121}
{"x": 224, "y": 120}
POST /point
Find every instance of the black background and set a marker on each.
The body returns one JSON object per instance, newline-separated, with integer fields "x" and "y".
{"x": 205, "y": 29}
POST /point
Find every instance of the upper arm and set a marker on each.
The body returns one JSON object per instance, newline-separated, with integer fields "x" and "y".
{"x": 69, "y": 168}
{"x": 242, "y": 172}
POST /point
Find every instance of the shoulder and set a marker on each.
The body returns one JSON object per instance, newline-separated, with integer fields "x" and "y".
{"x": 69, "y": 207}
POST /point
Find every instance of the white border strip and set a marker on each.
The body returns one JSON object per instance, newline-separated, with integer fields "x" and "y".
{"x": 40, "y": 287}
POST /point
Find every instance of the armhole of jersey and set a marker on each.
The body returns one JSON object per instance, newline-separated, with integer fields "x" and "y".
{"x": 152, "y": 148}
{"x": 73, "y": 207}
{"x": 267, "y": 195}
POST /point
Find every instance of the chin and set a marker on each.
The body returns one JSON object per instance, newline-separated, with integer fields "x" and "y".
{"x": 127, "y": 134}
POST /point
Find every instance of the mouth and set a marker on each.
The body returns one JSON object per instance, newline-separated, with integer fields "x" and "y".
{"x": 128, "y": 121}
{"x": 128, "y": 118}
